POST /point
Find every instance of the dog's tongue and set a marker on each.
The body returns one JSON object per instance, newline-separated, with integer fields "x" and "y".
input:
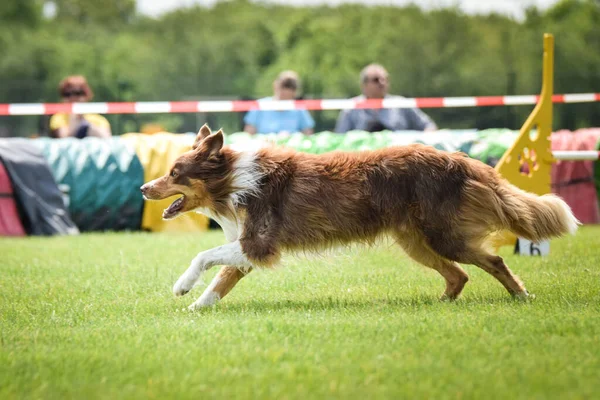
{"x": 174, "y": 208}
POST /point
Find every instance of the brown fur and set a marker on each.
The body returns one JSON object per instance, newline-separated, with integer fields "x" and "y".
{"x": 440, "y": 207}
{"x": 228, "y": 277}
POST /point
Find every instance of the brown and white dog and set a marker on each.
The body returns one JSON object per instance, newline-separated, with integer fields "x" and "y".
{"x": 440, "y": 207}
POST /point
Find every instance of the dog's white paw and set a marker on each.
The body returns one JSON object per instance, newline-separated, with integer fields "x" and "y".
{"x": 524, "y": 296}
{"x": 183, "y": 285}
{"x": 195, "y": 307}
{"x": 206, "y": 300}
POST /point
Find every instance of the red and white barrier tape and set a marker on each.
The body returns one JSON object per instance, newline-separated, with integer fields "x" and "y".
{"x": 586, "y": 155}
{"x": 247, "y": 105}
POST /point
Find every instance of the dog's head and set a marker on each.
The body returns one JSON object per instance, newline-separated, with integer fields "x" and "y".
{"x": 201, "y": 176}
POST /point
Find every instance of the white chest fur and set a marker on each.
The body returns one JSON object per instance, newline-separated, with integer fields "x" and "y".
{"x": 232, "y": 228}
{"x": 245, "y": 181}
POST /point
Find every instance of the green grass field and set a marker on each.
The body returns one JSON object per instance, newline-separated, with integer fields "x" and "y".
{"x": 93, "y": 317}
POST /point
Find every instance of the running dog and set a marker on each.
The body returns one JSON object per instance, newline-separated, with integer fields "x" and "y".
{"x": 440, "y": 207}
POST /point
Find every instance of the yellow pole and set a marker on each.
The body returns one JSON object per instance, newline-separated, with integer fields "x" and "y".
{"x": 532, "y": 149}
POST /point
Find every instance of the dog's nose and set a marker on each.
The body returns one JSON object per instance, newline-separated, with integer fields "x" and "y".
{"x": 143, "y": 188}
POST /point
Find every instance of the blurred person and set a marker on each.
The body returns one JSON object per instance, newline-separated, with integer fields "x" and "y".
{"x": 374, "y": 84}
{"x": 285, "y": 87}
{"x": 75, "y": 89}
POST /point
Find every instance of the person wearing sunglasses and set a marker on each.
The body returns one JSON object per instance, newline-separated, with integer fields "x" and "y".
{"x": 374, "y": 83}
{"x": 75, "y": 89}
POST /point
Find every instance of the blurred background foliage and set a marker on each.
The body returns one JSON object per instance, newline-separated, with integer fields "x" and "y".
{"x": 235, "y": 49}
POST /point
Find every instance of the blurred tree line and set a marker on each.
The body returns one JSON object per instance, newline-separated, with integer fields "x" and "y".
{"x": 236, "y": 48}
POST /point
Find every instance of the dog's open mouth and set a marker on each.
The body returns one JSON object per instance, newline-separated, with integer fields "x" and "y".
{"x": 174, "y": 208}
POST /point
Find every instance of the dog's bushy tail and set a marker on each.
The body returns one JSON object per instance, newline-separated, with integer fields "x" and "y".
{"x": 534, "y": 217}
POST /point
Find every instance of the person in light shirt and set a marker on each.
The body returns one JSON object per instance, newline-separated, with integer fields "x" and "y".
{"x": 285, "y": 87}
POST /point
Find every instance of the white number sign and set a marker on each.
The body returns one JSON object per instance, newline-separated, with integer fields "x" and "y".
{"x": 529, "y": 248}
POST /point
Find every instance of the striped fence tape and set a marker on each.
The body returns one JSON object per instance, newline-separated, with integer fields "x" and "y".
{"x": 247, "y": 105}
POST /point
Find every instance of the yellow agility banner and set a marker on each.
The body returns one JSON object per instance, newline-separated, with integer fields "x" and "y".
{"x": 528, "y": 162}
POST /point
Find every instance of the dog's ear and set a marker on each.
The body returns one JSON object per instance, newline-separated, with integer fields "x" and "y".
{"x": 203, "y": 133}
{"x": 213, "y": 143}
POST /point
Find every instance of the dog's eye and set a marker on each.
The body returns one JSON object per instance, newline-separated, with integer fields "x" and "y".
{"x": 173, "y": 174}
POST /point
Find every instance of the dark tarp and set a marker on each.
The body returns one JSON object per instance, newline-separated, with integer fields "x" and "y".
{"x": 39, "y": 201}
{"x": 597, "y": 174}
{"x": 103, "y": 179}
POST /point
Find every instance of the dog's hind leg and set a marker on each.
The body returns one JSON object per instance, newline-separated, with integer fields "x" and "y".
{"x": 418, "y": 250}
{"x": 221, "y": 284}
{"x": 495, "y": 266}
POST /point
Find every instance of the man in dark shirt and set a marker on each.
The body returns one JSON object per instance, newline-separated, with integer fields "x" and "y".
{"x": 374, "y": 85}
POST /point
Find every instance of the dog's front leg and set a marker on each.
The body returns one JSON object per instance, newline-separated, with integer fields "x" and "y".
{"x": 221, "y": 284}
{"x": 230, "y": 254}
